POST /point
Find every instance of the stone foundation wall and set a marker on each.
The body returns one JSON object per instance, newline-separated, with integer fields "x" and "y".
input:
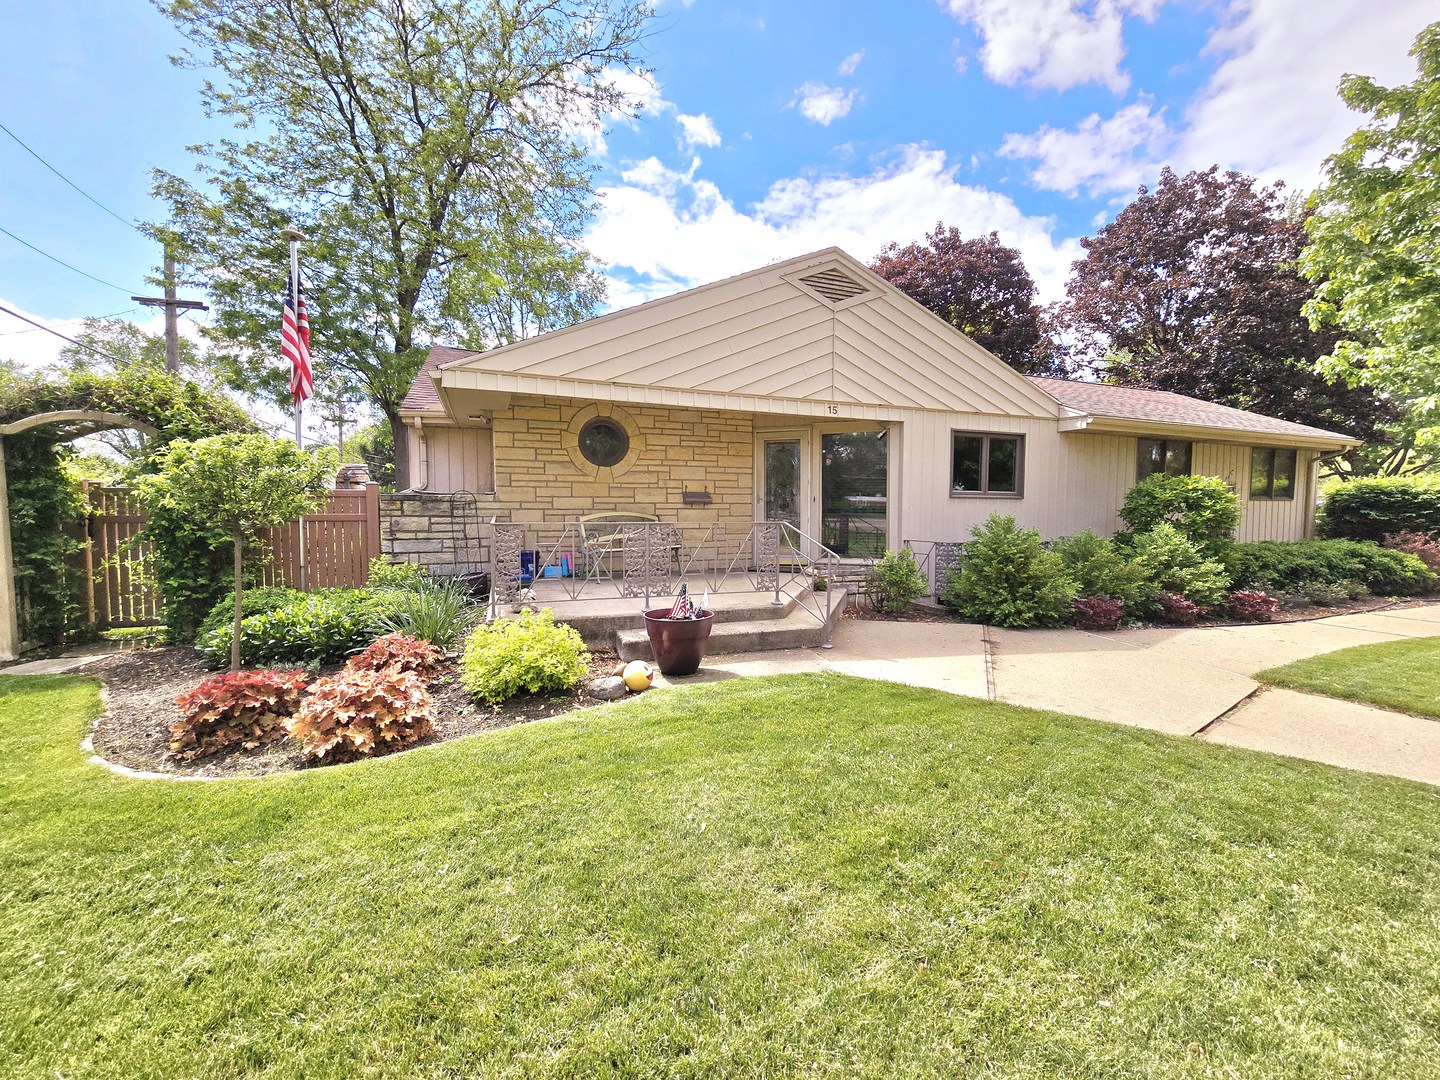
{"x": 541, "y": 476}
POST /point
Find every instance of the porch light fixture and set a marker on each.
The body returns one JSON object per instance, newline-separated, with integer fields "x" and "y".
{"x": 604, "y": 442}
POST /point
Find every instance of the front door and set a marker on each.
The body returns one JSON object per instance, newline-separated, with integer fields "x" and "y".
{"x": 783, "y": 488}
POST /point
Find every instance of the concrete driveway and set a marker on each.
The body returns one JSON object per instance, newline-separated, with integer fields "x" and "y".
{"x": 1185, "y": 682}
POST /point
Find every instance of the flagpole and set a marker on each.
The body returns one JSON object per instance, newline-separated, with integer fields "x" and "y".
{"x": 294, "y": 236}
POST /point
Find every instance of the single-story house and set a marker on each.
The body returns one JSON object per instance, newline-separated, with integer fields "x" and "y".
{"x": 812, "y": 391}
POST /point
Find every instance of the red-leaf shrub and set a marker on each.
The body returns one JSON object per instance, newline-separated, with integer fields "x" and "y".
{"x": 1426, "y": 548}
{"x": 1177, "y": 609}
{"x": 399, "y": 652}
{"x": 1252, "y": 605}
{"x": 1098, "y": 613}
{"x": 360, "y": 713}
{"x": 248, "y": 708}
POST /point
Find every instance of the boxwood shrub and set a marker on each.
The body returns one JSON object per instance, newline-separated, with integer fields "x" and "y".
{"x": 1007, "y": 578}
{"x": 1372, "y": 508}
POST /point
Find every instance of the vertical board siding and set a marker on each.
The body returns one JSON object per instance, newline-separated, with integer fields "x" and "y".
{"x": 459, "y": 459}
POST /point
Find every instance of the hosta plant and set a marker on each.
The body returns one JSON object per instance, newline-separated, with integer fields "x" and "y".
{"x": 1252, "y": 605}
{"x": 399, "y": 652}
{"x": 361, "y": 713}
{"x": 245, "y": 709}
{"x": 1098, "y": 613}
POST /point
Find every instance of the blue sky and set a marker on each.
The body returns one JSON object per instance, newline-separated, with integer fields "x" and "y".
{"x": 769, "y": 128}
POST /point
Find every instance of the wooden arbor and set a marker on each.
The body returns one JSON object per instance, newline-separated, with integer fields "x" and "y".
{"x": 72, "y": 424}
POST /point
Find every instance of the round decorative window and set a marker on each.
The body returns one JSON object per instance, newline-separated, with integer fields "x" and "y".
{"x": 604, "y": 442}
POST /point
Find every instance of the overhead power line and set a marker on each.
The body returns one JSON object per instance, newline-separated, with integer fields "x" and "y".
{"x": 67, "y": 266}
{"x": 77, "y": 187}
{"x": 62, "y": 337}
{"x": 101, "y": 318}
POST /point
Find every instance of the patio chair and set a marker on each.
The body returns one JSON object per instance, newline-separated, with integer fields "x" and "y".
{"x": 602, "y": 535}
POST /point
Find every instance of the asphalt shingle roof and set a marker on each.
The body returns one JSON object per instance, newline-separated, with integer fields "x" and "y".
{"x": 1163, "y": 407}
{"x": 421, "y": 395}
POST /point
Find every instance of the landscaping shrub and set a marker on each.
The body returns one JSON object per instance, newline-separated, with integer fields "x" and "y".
{"x": 1100, "y": 568}
{"x": 383, "y": 574}
{"x": 439, "y": 612}
{"x": 323, "y": 625}
{"x": 528, "y": 654}
{"x": 1288, "y": 566}
{"x": 1176, "y": 565}
{"x": 1202, "y": 508}
{"x": 1098, "y": 613}
{"x": 1008, "y": 579}
{"x": 1372, "y": 508}
{"x": 895, "y": 582}
{"x": 1425, "y": 548}
{"x": 255, "y": 601}
{"x": 399, "y": 652}
{"x": 361, "y": 713}
{"x": 1176, "y": 609}
{"x": 1325, "y": 593}
{"x": 1252, "y": 605}
{"x": 244, "y": 708}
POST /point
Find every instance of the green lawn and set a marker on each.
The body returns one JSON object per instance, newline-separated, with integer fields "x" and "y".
{"x": 1401, "y": 675}
{"x": 807, "y": 875}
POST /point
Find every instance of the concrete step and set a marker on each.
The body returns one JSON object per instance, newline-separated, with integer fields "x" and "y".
{"x": 797, "y": 629}
{"x": 599, "y": 620}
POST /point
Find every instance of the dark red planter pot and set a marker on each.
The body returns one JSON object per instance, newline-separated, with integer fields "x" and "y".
{"x": 678, "y": 645}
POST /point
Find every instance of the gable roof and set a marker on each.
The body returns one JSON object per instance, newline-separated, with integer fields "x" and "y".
{"x": 422, "y": 395}
{"x": 1161, "y": 407}
{"x": 799, "y": 336}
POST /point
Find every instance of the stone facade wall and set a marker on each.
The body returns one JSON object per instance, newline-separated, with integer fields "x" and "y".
{"x": 541, "y": 476}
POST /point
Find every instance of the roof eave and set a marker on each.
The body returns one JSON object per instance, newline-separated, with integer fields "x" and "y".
{"x": 1118, "y": 425}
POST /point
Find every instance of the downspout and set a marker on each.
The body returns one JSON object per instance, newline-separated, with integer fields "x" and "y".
{"x": 422, "y": 456}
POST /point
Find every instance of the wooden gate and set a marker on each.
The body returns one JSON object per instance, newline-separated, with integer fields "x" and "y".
{"x": 119, "y": 590}
{"x": 340, "y": 541}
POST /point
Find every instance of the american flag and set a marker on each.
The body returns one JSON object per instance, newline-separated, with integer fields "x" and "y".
{"x": 295, "y": 341}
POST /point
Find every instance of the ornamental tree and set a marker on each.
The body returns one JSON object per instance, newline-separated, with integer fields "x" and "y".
{"x": 1193, "y": 288}
{"x": 1375, "y": 242}
{"x": 238, "y": 485}
{"x": 981, "y": 288}
{"x": 433, "y": 152}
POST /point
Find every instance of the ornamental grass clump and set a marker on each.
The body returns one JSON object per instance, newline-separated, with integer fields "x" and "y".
{"x": 245, "y": 709}
{"x": 439, "y": 612}
{"x": 1008, "y": 579}
{"x": 360, "y": 714}
{"x": 895, "y": 582}
{"x": 528, "y": 654}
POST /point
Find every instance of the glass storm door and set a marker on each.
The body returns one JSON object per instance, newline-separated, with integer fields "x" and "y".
{"x": 783, "y": 486}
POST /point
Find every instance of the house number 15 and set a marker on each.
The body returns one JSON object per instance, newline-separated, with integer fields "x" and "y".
{"x": 832, "y": 410}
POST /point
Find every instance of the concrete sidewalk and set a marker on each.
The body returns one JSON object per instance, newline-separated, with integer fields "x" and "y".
{"x": 1179, "y": 681}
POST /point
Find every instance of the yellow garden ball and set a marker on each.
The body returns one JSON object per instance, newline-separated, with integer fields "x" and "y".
{"x": 638, "y": 675}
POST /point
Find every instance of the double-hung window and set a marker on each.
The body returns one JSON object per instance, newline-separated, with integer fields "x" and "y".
{"x": 1272, "y": 473}
{"x": 982, "y": 463}
{"x": 1168, "y": 456}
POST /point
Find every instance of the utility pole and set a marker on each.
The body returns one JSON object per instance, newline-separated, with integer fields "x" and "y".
{"x": 172, "y": 307}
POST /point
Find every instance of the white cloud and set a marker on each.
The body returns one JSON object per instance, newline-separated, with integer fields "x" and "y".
{"x": 1270, "y": 109}
{"x": 1053, "y": 44}
{"x": 697, "y": 130}
{"x": 823, "y": 104}
{"x": 850, "y": 63}
{"x": 663, "y": 230}
{"x": 1102, "y": 156}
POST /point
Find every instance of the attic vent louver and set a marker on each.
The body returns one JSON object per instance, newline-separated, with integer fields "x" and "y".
{"x": 834, "y": 285}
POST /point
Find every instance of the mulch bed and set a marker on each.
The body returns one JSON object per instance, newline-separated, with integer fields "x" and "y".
{"x": 140, "y": 690}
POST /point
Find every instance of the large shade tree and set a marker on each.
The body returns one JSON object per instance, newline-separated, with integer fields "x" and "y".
{"x": 431, "y": 150}
{"x": 980, "y": 287}
{"x": 1194, "y": 288}
{"x": 1375, "y": 243}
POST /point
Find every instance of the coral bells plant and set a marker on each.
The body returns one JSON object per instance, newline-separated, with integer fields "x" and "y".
{"x": 1425, "y": 548}
{"x": 1252, "y": 605}
{"x": 1176, "y": 609}
{"x": 247, "y": 709}
{"x": 399, "y": 652}
{"x": 361, "y": 713}
{"x": 1098, "y": 613}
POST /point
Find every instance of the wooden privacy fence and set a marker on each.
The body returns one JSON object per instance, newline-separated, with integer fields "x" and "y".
{"x": 340, "y": 541}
